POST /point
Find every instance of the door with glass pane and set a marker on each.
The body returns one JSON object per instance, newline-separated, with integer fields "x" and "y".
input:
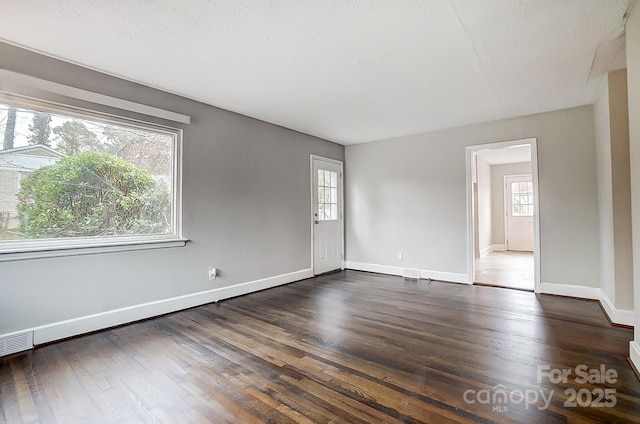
{"x": 519, "y": 212}
{"x": 327, "y": 215}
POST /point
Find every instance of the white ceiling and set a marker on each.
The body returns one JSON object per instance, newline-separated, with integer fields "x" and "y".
{"x": 512, "y": 154}
{"x": 347, "y": 71}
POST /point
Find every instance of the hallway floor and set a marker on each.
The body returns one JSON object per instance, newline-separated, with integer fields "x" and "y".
{"x": 506, "y": 269}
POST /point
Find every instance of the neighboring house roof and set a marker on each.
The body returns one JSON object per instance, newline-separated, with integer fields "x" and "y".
{"x": 29, "y": 158}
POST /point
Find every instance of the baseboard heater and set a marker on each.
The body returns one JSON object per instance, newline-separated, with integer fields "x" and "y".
{"x": 16, "y": 343}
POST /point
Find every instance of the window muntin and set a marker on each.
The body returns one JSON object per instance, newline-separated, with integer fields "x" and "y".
{"x": 327, "y": 195}
{"x": 522, "y": 198}
{"x": 85, "y": 178}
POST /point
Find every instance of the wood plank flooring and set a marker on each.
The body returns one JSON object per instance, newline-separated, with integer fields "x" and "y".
{"x": 349, "y": 347}
{"x": 506, "y": 269}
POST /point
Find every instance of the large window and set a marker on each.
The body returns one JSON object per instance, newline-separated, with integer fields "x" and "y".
{"x": 70, "y": 178}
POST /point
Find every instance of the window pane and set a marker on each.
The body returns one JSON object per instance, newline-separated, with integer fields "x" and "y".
{"x": 320, "y": 178}
{"x": 334, "y": 195}
{"x": 320, "y": 194}
{"x": 334, "y": 179}
{"x": 321, "y": 212}
{"x": 334, "y": 212}
{"x": 70, "y": 177}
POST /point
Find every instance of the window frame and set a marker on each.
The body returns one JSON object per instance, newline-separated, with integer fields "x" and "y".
{"x": 323, "y": 205}
{"x": 528, "y": 194}
{"x": 68, "y": 246}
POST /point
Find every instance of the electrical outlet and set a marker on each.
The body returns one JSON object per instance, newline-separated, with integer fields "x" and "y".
{"x": 213, "y": 272}
{"x": 399, "y": 256}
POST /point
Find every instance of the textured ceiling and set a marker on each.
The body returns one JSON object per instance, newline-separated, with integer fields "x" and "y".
{"x": 347, "y": 71}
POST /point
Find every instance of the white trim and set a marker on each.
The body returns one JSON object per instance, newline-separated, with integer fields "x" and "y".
{"x": 312, "y": 196}
{"x": 13, "y": 82}
{"x": 536, "y": 215}
{"x": 484, "y": 252}
{"x": 582, "y": 292}
{"x": 380, "y": 269}
{"x": 75, "y": 249}
{"x": 469, "y": 150}
{"x": 47, "y": 248}
{"x": 452, "y": 277}
{"x": 498, "y": 248}
{"x": 616, "y": 316}
{"x": 634, "y": 353}
{"x": 73, "y": 327}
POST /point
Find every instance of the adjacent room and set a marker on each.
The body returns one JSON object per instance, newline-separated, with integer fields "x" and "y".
{"x": 310, "y": 212}
{"x": 504, "y": 203}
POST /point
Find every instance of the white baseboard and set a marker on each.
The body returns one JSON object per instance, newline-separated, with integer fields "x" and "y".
{"x": 394, "y": 270}
{"x": 498, "y": 248}
{"x": 380, "y": 269}
{"x": 570, "y": 290}
{"x": 634, "y": 353}
{"x": 452, "y": 277}
{"x": 484, "y": 252}
{"x": 86, "y": 324}
{"x": 617, "y": 316}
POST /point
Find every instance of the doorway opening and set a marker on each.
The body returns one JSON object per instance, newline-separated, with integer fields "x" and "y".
{"x": 502, "y": 211}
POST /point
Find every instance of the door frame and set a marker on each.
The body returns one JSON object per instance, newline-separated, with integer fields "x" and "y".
{"x": 313, "y": 159}
{"x": 505, "y": 206}
{"x": 469, "y": 153}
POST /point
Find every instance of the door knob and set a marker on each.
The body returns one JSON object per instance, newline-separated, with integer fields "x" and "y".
{"x": 316, "y": 222}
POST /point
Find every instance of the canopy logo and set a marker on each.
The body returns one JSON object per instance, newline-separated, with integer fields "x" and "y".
{"x": 499, "y": 397}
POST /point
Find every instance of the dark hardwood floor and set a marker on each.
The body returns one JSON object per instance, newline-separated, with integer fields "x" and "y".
{"x": 350, "y": 347}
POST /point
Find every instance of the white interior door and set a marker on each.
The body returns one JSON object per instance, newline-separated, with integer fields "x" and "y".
{"x": 519, "y": 212}
{"x": 327, "y": 215}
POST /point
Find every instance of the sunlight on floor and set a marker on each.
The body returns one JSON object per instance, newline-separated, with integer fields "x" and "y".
{"x": 506, "y": 269}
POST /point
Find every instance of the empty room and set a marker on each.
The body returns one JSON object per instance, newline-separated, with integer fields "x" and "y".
{"x": 258, "y": 211}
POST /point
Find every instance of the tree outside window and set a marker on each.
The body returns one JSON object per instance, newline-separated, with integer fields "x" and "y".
{"x": 67, "y": 177}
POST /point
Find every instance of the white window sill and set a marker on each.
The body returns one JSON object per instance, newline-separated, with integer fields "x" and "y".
{"x": 71, "y": 249}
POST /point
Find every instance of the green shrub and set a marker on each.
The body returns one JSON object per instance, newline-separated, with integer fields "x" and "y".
{"x": 92, "y": 194}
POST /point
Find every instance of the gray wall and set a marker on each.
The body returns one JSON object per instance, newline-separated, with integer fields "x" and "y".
{"x": 621, "y": 178}
{"x": 246, "y": 210}
{"x": 605, "y": 193}
{"x": 408, "y": 194}
{"x": 612, "y": 147}
{"x": 497, "y": 186}
{"x": 633, "y": 84}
